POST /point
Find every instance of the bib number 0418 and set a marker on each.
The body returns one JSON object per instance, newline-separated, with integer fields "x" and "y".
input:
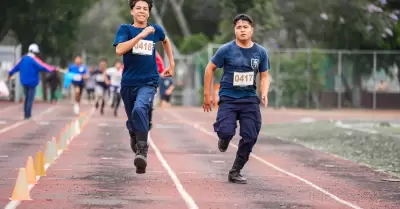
{"x": 143, "y": 47}
{"x": 243, "y": 78}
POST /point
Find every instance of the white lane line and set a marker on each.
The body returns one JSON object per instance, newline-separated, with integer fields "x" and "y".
{"x": 13, "y": 204}
{"x": 334, "y": 197}
{"x": 186, "y": 197}
{"x": 15, "y": 125}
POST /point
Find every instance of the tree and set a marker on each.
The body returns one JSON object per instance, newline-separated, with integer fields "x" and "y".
{"x": 52, "y": 24}
{"x": 201, "y": 16}
{"x": 342, "y": 24}
{"x": 263, "y": 13}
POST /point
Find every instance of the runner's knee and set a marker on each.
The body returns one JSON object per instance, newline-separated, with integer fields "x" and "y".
{"x": 226, "y": 131}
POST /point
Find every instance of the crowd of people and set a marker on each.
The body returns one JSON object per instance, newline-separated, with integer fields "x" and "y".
{"x": 101, "y": 83}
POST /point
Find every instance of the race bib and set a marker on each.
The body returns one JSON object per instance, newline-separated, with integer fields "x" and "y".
{"x": 243, "y": 78}
{"x": 143, "y": 47}
{"x": 100, "y": 77}
{"x": 77, "y": 78}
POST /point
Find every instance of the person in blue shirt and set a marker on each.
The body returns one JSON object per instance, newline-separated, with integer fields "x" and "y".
{"x": 166, "y": 88}
{"x": 29, "y": 68}
{"x": 78, "y": 68}
{"x": 136, "y": 43}
{"x": 241, "y": 60}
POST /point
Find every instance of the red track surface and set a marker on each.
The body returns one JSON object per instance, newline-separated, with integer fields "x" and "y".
{"x": 98, "y": 171}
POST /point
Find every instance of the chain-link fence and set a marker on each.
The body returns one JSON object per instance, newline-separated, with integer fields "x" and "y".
{"x": 9, "y": 56}
{"x": 313, "y": 78}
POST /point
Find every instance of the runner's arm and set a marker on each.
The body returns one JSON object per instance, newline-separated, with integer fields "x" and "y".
{"x": 14, "y": 69}
{"x": 264, "y": 75}
{"x": 264, "y": 83}
{"x": 168, "y": 49}
{"x": 217, "y": 61}
{"x": 126, "y": 46}
{"x": 208, "y": 77}
{"x": 170, "y": 89}
{"x": 122, "y": 42}
{"x": 106, "y": 80}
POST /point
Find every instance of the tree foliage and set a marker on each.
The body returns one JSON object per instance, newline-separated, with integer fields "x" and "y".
{"x": 263, "y": 12}
{"x": 52, "y": 24}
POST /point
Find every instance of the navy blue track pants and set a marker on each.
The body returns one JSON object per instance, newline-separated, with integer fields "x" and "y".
{"x": 247, "y": 112}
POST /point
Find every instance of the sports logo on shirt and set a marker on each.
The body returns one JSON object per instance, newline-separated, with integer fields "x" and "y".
{"x": 255, "y": 62}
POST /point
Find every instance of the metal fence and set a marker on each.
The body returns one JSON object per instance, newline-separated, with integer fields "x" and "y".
{"x": 315, "y": 78}
{"x": 9, "y": 56}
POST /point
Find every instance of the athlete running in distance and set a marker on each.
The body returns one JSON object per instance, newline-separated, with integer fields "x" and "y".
{"x": 241, "y": 60}
{"x": 78, "y": 82}
{"x": 136, "y": 43}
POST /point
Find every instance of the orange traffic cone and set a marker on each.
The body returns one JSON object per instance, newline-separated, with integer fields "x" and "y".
{"x": 39, "y": 164}
{"x": 21, "y": 190}
{"x": 30, "y": 171}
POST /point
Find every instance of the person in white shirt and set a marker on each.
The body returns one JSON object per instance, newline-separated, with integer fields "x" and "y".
{"x": 115, "y": 74}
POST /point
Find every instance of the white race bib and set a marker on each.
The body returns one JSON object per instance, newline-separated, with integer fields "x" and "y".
{"x": 77, "y": 78}
{"x": 100, "y": 77}
{"x": 243, "y": 78}
{"x": 143, "y": 47}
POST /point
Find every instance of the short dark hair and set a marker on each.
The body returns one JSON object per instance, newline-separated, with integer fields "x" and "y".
{"x": 103, "y": 60}
{"x": 132, "y": 3}
{"x": 244, "y": 17}
{"x": 117, "y": 60}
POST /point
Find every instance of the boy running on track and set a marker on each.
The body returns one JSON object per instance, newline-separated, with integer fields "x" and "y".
{"x": 115, "y": 74}
{"x": 29, "y": 68}
{"x": 136, "y": 43}
{"x": 78, "y": 81}
{"x": 241, "y": 60}
{"x": 102, "y": 84}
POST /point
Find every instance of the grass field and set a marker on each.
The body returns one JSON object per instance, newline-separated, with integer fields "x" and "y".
{"x": 376, "y": 145}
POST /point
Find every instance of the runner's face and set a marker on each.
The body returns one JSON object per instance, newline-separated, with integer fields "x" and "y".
{"x": 102, "y": 65}
{"x": 118, "y": 65}
{"x": 78, "y": 60}
{"x": 140, "y": 12}
{"x": 243, "y": 30}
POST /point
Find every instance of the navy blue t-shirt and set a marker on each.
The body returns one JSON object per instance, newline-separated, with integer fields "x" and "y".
{"x": 164, "y": 84}
{"x": 240, "y": 66}
{"x": 140, "y": 66}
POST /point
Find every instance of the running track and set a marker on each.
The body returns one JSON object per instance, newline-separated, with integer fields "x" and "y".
{"x": 185, "y": 170}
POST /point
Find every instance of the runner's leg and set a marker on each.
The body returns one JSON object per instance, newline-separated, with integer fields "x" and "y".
{"x": 140, "y": 119}
{"x": 250, "y": 125}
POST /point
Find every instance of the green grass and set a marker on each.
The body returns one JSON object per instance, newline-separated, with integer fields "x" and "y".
{"x": 379, "y": 151}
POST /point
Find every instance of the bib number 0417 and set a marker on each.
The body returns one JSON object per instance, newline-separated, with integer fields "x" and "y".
{"x": 243, "y": 78}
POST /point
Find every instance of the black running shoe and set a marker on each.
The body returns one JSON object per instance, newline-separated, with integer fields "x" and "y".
{"x": 223, "y": 145}
{"x": 141, "y": 157}
{"x": 236, "y": 178}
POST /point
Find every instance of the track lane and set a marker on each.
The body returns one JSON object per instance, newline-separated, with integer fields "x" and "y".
{"x": 355, "y": 183}
{"x": 203, "y": 171}
{"x": 98, "y": 172}
{"x": 26, "y": 140}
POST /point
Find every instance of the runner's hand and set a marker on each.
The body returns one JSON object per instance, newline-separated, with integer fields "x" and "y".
{"x": 147, "y": 31}
{"x": 207, "y": 104}
{"x": 264, "y": 100}
{"x": 169, "y": 72}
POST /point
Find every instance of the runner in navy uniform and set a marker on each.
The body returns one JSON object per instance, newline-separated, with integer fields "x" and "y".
{"x": 241, "y": 60}
{"x": 136, "y": 43}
